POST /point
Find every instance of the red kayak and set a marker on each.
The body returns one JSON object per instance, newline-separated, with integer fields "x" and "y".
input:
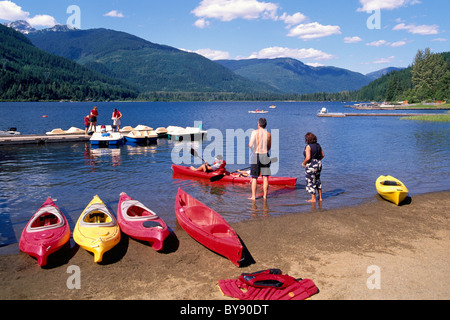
{"x": 208, "y": 227}
{"x": 46, "y": 232}
{"x": 141, "y": 223}
{"x": 232, "y": 178}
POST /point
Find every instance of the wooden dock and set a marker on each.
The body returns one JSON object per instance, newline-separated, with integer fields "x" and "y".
{"x": 41, "y": 139}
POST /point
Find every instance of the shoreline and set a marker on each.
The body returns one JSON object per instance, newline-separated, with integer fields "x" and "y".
{"x": 333, "y": 247}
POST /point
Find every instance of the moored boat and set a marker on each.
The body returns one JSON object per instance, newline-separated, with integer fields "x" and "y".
{"x": 161, "y": 132}
{"x": 232, "y": 178}
{"x": 207, "y": 227}
{"x": 391, "y": 189}
{"x": 61, "y": 132}
{"x": 141, "y": 223}
{"x": 179, "y": 134}
{"x": 47, "y": 232}
{"x": 97, "y": 229}
{"x": 259, "y": 111}
{"x": 106, "y": 139}
{"x": 138, "y": 137}
{"x": 10, "y": 132}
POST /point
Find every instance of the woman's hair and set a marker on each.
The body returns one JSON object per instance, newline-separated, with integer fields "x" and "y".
{"x": 310, "y": 138}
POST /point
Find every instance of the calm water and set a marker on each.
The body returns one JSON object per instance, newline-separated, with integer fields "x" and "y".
{"x": 358, "y": 150}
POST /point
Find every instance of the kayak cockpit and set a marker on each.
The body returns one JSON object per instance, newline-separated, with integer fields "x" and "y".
{"x": 46, "y": 218}
{"x": 134, "y": 210}
{"x": 97, "y": 215}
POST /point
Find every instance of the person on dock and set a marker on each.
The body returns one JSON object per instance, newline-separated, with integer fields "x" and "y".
{"x": 313, "y": 166}
{"x": 93, "y": 119}
{"x": 260, "y": 145}
{"x": 87, "y": 123}
{"x": 116, "y": 116}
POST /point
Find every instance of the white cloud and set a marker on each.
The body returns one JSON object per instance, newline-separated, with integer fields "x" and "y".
{"x": 11, "y": 12}
{"x": 114, "y": 14}
{"x": 201, "y": 23}
{"x": 299, "y": 54}
{"x": 211, "y": 54}
{"x": 424, "y": 30}
{"x": 313, "y": 31}
{"x": 378, "y": 43}
{"x": 315, "y": 64}
{"x": 384, "y": 60}
{"x": 294, "y": 19}
{"x": 370, "y": 5}
{"x": 400, "y": 43}
{"x": 352, "y": 39}
{"x": 381, "y": 43}
{"x": 440, "y": 40}
{"x": 228, "y": 10}
{"x": 42, "y": 21}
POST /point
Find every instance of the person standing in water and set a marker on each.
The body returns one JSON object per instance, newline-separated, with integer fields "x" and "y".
{"x": 260, "y": 145}
{"x": 313, "y": 166}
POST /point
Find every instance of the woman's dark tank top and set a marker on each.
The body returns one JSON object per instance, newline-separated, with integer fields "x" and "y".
{"x": 316, "y": 151}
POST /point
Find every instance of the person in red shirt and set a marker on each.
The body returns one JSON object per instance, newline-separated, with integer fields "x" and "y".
{"x": 116, "y": 116}
{"x": 87, "y": 123}
{"x": 93, "y": 119}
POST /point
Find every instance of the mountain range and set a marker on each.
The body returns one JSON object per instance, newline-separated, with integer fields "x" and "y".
{"x": 151, "y": 67}
{"x": 293, "y": 76}
{"x": 30, "y": 74}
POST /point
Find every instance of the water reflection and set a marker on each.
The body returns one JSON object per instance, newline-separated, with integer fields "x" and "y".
{"x": 260, "y": 209}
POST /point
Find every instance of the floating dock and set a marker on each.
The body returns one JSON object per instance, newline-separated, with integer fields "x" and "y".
{"x": 40, "y": 139}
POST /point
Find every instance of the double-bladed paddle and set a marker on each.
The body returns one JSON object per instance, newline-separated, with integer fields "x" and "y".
{"x": 195, "y": 154}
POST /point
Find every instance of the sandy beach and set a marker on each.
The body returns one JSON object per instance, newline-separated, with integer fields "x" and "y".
{"x": 408, "y": 245}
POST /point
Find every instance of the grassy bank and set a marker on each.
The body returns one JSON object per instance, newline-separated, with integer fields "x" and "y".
{"x": 433, "y": 118}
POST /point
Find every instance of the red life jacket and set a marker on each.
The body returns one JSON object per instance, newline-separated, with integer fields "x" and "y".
{"x": 222, "y": 170}
{"x": 268, "y": 285}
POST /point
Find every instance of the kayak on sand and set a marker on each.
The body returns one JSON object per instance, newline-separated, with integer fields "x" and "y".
{"x": 47, "y": 232}
{"x": 208, "y": 227}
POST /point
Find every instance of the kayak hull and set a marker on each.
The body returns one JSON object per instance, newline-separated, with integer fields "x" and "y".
{"x": 97, "y": 230}
{"x": 283, "y": 181}
{"x": 207, "y": 227}
{"x": 141, "y": 223}
{"x": 391, "y": 189}
{"x": 46, "y": 233}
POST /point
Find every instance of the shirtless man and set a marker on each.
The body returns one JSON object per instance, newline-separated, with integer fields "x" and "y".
{"x": 260, "y": 144}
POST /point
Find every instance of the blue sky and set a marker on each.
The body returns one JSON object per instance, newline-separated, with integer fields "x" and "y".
{"x": 341, "y": 33}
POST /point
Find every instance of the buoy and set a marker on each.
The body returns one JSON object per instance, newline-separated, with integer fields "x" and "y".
{"x": 44, "y": 116}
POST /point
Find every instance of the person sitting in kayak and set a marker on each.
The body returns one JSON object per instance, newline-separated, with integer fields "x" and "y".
{"x": 219, "y": 164}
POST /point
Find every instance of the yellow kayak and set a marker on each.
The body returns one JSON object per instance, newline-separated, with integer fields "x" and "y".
{"x": 97, "y": 229}
{"x": 391, "y": 189}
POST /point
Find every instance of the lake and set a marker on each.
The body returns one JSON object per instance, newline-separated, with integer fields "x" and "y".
{"x": 358, "y": 150}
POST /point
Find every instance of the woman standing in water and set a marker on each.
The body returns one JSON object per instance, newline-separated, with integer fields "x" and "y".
{"x": 313, "y": 166}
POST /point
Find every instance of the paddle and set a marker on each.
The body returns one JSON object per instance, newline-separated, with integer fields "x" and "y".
{"x": 195, "y": 154}
{"x": 221, "y": 176}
